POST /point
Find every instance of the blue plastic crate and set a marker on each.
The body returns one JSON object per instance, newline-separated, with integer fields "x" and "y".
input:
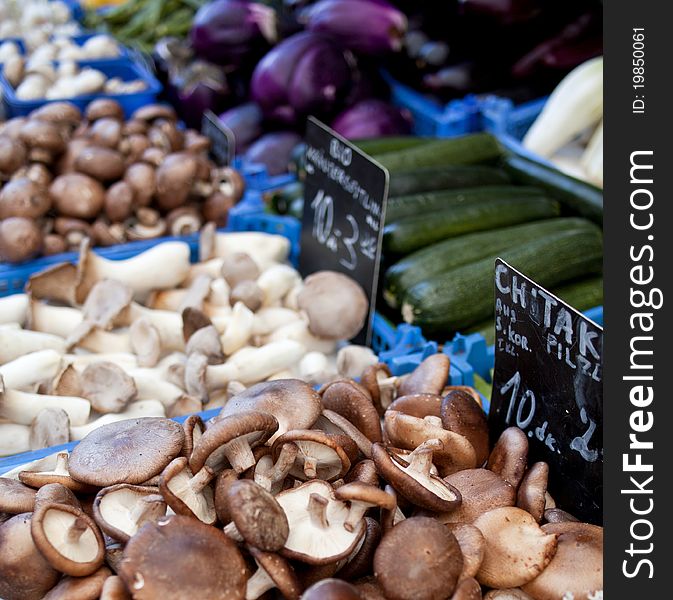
{"x": 127, "y": 71}
{"x": 458, "y": 117}
{"x": 256, "y": 177}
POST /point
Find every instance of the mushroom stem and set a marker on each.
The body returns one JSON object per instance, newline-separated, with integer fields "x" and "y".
{"x": 22, "y": 407}
{"x": 201, "y": 479}
{"x": 275, "y": 474}
{"x": 310, "y": 467}
{"x": 355, "y": 515}
{"x": 167, "y": 323}
{"x": 387, "y": 390}
{"x": 14, "y": 308}
{"x": 151, "y": 386}
{"x": 239, "y": 454}
{"x": 317, "y": 510}
{"x": 420, "y": 460}
{"x": 76, "y": 530}
{"x": 31, "y": 368}
{"x": 15, "y": 343}
{"x": 232, "y": 532}
{"x": 124, "y": 360}
{"x": 148, "y": 508}
{"x": 264, "y": 248}
{"x": 61, "y": 467}
{"x": 238, "y": 330}
{"x": 258, "y": 584}
{"x": 14, "y": 439}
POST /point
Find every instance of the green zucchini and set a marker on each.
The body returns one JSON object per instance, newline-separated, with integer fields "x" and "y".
{"x": 400, "y": 207}
{"x": 577, "y": 196}
{"x": 430, "y": 179}
{"x": 457, "y": 299}
{"x": 581, "y": 295}
{"x": 464, "y": 150}
{"x": 411, "y": 233}
{"x": 452, "y": 253}
{"x": 374, "y": 146}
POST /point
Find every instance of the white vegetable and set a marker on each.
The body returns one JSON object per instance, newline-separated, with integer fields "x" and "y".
{"x": 592, "y": 160}
{"x": 575, "y": 104}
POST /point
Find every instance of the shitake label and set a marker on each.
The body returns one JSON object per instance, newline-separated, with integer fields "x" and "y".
{"x": 548, "y": 381}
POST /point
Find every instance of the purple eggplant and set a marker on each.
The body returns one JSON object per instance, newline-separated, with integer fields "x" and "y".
{"x": 228, "y": 32}
{"x": 371, "y": 119}
{"x": 305, "y": 74}
{"x": 366, "y": 26}
{"x": 273, "y": 150}
{"x": 245, "y": 122}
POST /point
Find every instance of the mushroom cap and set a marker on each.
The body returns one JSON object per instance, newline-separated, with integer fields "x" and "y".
{"x": 364, "y": 471}
{"x": 24, "y": 573}
{"x": 59, "y": 474}
{"x": 556, "y": 515}
{"x": 106, "y": 301}
{"x": 150, "y": 112}
{"x": 80, "y": 588}
{"x": 50, "y": 427}
{"x": 352, "y": 401}
{"x": 424, "y": 490}
{"x": 130, "y": 451}
{"x": 179, "y": 556}
{"x": 51, "y": 526}
{"x": 103, "y": 164}
{"x": 119, "y": 201}
{"x": 43, "y": 134}
{"x": 576, "y": 570}
{"x": 194, "y": 428}
{"x": 370, "y": 381}
{"x": 360, "y": 561}
{"x": 331, "y": 589}
{"x": 116, "y": 509}
{"x": 427, "y": 378}
{"x": 104, "y": 108}
{"x": 222, "y": 482}
{"x": 253, "y": 426}
{"x": 418, "y": 559}
{"x": 472, "y": 544}
{"x": 15, "y": 497}
{"x": 280, "y": 571}
{"x": 114, "y": 589}
{"x": 20, "y": 239}
{"x": 294, "y": 403}
{"x": 369, "y": 588}
{"x": 533, "y": 489}
{"x": 107, "y": 386}
{"x": 418, "y": 405}
{"x": 507, "y": 594}
{"x": 409, "y": 432}
{"x": 56, "y": 493}
{"x": 462, "y": 415}
{"x": 77, "y": 195}
{"x": 481, "y": 491}
{"x": 339, "y": 424}
{"x": 62, "y": 113}
{"x": 145, "y": 341}
{"x": 186, "y": 493}
{"x": 509, "y": 456}
{"x": 467, "y": 589}
{"x": 332, "y": 453}
{"x": 259, "y": 518}
{"x": 312, "y": 540}
{"x": 517, "y": 549}
{"x": 249, "y": 293}
{"x": 239, "y": 267}
{"x": 23, "y": 197}
{"x": 336, "y": 305}
{"x": 370, "y": 495}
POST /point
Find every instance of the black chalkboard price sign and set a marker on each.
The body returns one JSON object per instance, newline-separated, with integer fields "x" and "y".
{"x": 548, "y": 382}
{"x": 221, "y": 138}
{"x": 345, "y": 195}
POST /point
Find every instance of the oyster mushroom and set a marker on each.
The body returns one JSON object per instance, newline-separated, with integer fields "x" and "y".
{"x": 50, "y": 427}
{"x": 108, "y": 387}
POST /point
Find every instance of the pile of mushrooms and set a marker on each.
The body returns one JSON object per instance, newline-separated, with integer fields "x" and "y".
{"x": 62, "y": 48}
{"x": 36, "y": 20}
{"x": 385, "y": 489}
{"x": 154, "y": 335}
{"x": 66, "y": 177}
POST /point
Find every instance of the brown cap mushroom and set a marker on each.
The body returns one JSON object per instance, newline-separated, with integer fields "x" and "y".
{"x": 380, "y": 384}
{"x": 273, "y": 571}
{"x": 80, "y": 588}
{"x": 68, "y": 538}
{"x": 61, "y": 113}
{"x": 316, "y": 519}
{"x": 462, "y": 415}
{"x": 336, "y": 305}
{"x": 20, "y": 239}
{"x": 114, "y": 589}
{"x": 411, "y": 477}
{"x": 532, "y": 490}
{"x": 481, "y": 491}
{"x": 295, "y": 404}
{"x": 427, "y": 378}
{"x": 120, "y": 510}
{"x": 517, "y": 550}
{"x": 364, "y": 471}
{"x": 187, "y": 493}
{"x": 54, "y": 244}
{"x": 576, "y": 570}
{"x": 59, "y": 474}
{"x": 233, "y": 437}
{"x": 320, "y": 455}
{"x": 249, "y": 293}
{"x": 418, "y": 558}
{"x": 130, "y": 451}
{"x": 472, "y": 544}
{"x": 141, "y": 177}
{"x": 151, "y": 112}
{"x": 467, "y": 589}
{"x": 175, "y": 177}
{"x": 331, "y": 589}
{"x": 509, "y": 456}
{"x": 15, "y": 497}
{"x": 45, "y": 140}
{"x": 199, "y": 557}
{"x": 103, "y": 164}
{"x": 256, "y": 516}
{"x": 332, "y": 422}
{"x": 77, "y": 195}
{"x": 119, "y": 201}
{"x": 194, "y": 428}
{"x": 22, "y": 197}
{"x": 351, "y": 400}
{"x": 508, "y": 594}
{"x": 361, "y": 497}
{"x": 56, "y": 493}
{"x": 556, "y": 515}
{"x": 24, "y": 573}
{"x": 239, "y": 267}
{"x": 105, "y": 132}
{"x": 50, "y": 427}
{"x": 13, "y": 155}
{"x": 271, "y": 475}
{"x": 104, "y": 108}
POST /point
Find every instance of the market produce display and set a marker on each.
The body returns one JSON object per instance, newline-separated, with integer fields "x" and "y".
{"x": 154, "y": 335}
{"x": 69, "y": 176}
{"x": 36, "y": 20}
{"x": 293, "y": 489}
